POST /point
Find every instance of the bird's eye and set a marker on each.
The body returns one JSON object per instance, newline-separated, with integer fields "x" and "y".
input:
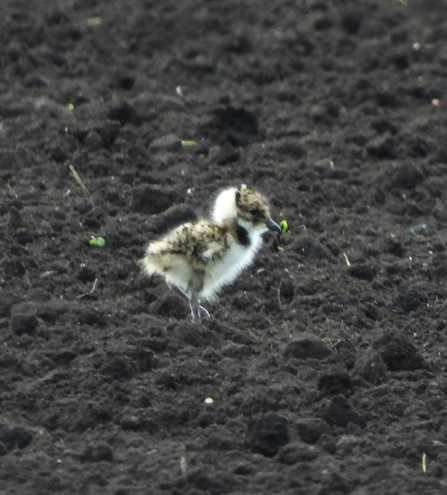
{"x": 256, "y": 212}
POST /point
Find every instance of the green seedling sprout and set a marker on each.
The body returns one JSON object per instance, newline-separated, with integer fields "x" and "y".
{"x": 70, "y": 107}
{"x": 97, "y": 241}
{"x": 189, "y": 143}
{"x": 209, "y": 400}
{"x": 284, "y": 226}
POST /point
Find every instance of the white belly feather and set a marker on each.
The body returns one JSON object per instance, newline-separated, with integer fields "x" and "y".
{"x": 225, "y": 270}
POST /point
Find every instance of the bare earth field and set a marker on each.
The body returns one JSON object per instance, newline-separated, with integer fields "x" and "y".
{"x": 326, "y": 361}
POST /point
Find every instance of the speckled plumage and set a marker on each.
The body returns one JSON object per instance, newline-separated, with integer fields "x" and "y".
{"x": 198, "y": 258}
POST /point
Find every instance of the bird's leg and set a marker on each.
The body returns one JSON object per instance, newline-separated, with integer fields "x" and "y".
{"x": 198, "y": 311}
{"x": 203, "y": 313}
{"x": 178, "y": 291}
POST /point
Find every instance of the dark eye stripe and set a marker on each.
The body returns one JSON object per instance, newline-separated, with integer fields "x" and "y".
{"x": 256, "y": 212}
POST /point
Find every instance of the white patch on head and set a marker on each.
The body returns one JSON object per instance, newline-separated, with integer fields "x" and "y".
{"x": 225, "y": 206}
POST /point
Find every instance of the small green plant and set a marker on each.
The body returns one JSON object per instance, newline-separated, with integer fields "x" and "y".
{"x": 284, "y": 226}
{"x": 188, "y": 143}
{"x": 97, "y": 241}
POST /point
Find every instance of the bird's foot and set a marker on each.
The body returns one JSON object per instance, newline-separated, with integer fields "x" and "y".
{"x": 203, "y": 313}
{"x": 197, "y": 311}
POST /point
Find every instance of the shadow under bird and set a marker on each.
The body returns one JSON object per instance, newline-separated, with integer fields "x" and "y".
{"x": 199, "y": 258}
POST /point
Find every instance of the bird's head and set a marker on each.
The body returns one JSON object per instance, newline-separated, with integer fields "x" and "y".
{"x": 247, "y": 206}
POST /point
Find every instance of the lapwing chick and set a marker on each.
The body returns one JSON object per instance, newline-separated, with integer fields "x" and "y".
{"x": 199, "y": 258}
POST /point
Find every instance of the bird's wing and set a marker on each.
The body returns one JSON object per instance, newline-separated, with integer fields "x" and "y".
{"x": 202, "y": 240}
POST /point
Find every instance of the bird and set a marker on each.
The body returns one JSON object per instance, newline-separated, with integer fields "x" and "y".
{"x": 198, "y": 258}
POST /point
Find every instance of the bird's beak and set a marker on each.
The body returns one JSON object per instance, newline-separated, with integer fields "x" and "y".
{"x": 270, "y": 224}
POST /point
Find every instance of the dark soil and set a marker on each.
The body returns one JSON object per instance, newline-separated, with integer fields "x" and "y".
{"x": 326, "y": 361}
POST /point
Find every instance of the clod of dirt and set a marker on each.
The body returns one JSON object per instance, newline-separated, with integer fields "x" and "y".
{"x": 170, "y": 142}
{"x": 340, "y": 413}
{"x": 124, "y": 81}
{"x": 335, "y": 384}
{"x": 152, "y": 200}
{"x": 383, "y": 125}
{"x": 407, "y": 177}
{"x": 311, "y": 430}
{"x": 93, "y": 317}
{"x": 307, "y": 348}
{"x": 382, "y": 147}
{"x": 238, "y": 44}
{"x": 409, "y": 301}
{"x": 420, "y": 147}
{"x": 13, "y": 437}
{"x": 372, "y": 312}
{"x": 93, "y": 220}
{"x": 15, "y": 218}
{"x": 290, "y": 147}
{"x": 97, "y": 453}
{"x": 297, "y": 452}
{"x": 310, "y": 248}
{"x": 23, "y": 236}
{"x": 83, "y": 208}
{"x": 199, "y": 481}
{"x": 370, "y": 367}
{"x": 167, "y": 379}
{"x": 267, "y": 434}
{"x": 222, "y": 443}
{"x": 363, "y": 272}
{"x": 22, "y": 324}
{"x": 236, "y": 126}
{"x": 14, "y": 268}
{"x": 124, "y": 113}
{"x": 135, "y": 423}
{"x": 62, "y": 358}
{"x": 119, "y": 367}
{"x": 35, "y": 81}
{"x": 86, "y": 274}
{"x": 323, "y": 22}
{"x": 107, "y": 131}
{"x": 335, "y": 483}
{"x": 224, "y": 155}
{"x": 394, "y": 247}
{"x": 169, "y": 306}
{"x": 287, "y": 291}
{"x": 93, "y": 141}
{"x": 244, "y": 469}
{"x": 351, "y": 21}
{"x": 346, "y": 444}
{"x": 436, "y": 186}
{"x": 399, "y": 354}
